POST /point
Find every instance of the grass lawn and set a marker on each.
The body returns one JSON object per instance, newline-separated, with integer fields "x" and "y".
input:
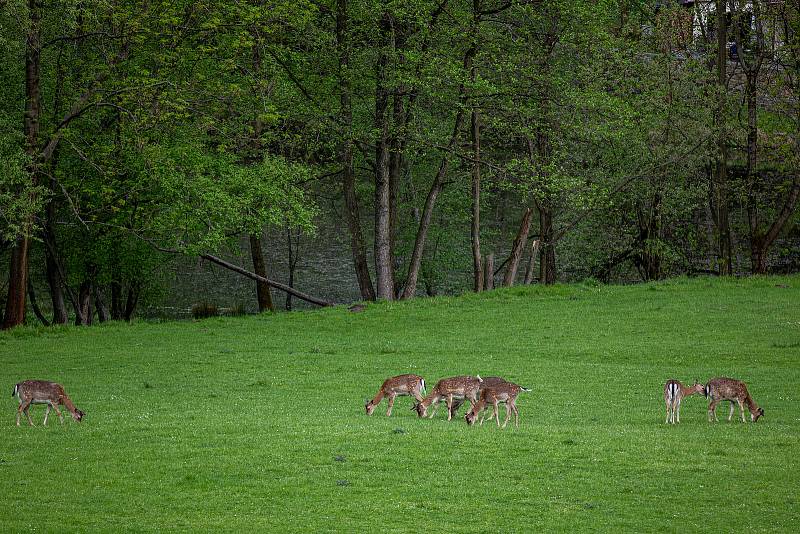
{"x": 258, "y": 423}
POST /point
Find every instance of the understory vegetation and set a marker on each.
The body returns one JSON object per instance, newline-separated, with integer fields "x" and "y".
{"x": 257, "y": 422}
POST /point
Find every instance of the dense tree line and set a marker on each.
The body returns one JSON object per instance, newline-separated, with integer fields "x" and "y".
{"x": 620, "y": 135}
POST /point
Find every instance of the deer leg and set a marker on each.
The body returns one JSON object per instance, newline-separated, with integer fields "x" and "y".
{"x": 741, "y": 408}
{"x": 712, "y": 410}
{"x": 449, "y": 407}
{"x": 669, "y": 412}
{"x": 678, "y": 410}
{"x": 25, "y": 408}
{"x": 513, "y": 406}
{"x": 496, "y": 413}
{"x": 484, "y": 410}
{"x": 46, "y": 413}
{"x": 435, "y": 406}
{"x": 19, "y": 412}
{"x": 508, "y": 415}
{"x": 730, "y": 413}
{"x": 391, "y": 403}
{"x": 58, "y": 413}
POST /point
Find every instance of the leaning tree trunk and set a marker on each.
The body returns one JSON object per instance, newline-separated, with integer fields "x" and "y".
{"x": 438, "y": 184}
{"x": 532, "y": 262}
{"x": 517, "y": 248}
{"x": 263, "y": 294}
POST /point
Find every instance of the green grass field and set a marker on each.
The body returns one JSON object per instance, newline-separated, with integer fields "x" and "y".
{"x": 257, "y": 423}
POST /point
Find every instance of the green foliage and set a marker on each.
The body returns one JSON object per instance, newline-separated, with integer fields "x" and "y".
{"x": 20, "y": 198}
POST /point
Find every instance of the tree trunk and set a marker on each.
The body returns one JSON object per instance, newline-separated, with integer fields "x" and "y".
{"x": 475, "y": 229}
{"x": 294, "y": 247}
{"x": 516, "y": 249}
{"x": 132, "y": 301}
{"x": 383, "y": 254}
{"x": 83, "y": 310}
{"x": 488, "y": 274}
{"x": 51, "y": 269}
{"x": 758, "y": 257}
{"x": 276, "y": 285}
{"x": 532, "y": 262}
{"x": 35, "y": 305}
{"x": 259, "y": 267}
{"x": 18, "y": 265}
{"x": 117, "y": 310}
{"x": 650, "y": 231}
{"x": 352, "y": 216}
{"x": 720, "y": 185}
{"x": 547, "y": 262}
{"x": 17, "y": 284}
{"x": 396, "y": 156}
{"x": 100, "y": 305}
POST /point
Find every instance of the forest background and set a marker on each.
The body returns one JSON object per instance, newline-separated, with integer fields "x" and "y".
{"x": 159, "y": 157}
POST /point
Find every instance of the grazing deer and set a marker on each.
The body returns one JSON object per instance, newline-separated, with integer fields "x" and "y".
{"x": 728, "y": 389}
{"x": 450, "y": 390}
{"x": 674, "y": 392}
{"x": 489, "y": 381}
{"x": 396, "y": 386}
{"x": 41, "y": 392}
{"x": 505, "y": 392}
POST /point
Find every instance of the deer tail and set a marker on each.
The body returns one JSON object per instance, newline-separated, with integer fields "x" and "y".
{"x": 707, "y": 391}
{"x": 422, "y": 386}
{"x": 526, "y": 390}
{"x": 16, "y": 388}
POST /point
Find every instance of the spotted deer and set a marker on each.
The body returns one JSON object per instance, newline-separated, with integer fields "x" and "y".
{"x": 397, "y": 386}
{"x": 674, "y": 392}
{"x": 731, "y": 390}
{"x": 42, "y": 392}
{"x": 505, "y": 392}
{"x": 449, "y": 390}
{"x": 489, "y": 381}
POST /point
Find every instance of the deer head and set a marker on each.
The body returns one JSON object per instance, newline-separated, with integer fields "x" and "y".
{"x": 369, "y": 407}
{"x": 754, "y": 416}
{"x": 470, "y": 417}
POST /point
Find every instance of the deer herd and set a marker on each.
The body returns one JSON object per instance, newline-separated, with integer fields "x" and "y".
{"x": 480, "y": 392}
{"x": 493, "y": 390}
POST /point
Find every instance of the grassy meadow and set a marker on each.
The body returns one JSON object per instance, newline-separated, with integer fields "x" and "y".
{"x": 258, "y": 423}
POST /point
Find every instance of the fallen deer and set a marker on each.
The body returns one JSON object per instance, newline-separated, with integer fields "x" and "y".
{"x": 450, "y": 390}
{"x": 731, "y": 390}
{"x": 413, "y": 385}
{"x": 674, "y": 392}
{"x": 42, "y": 392}
{"x": 501, "y": 393}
